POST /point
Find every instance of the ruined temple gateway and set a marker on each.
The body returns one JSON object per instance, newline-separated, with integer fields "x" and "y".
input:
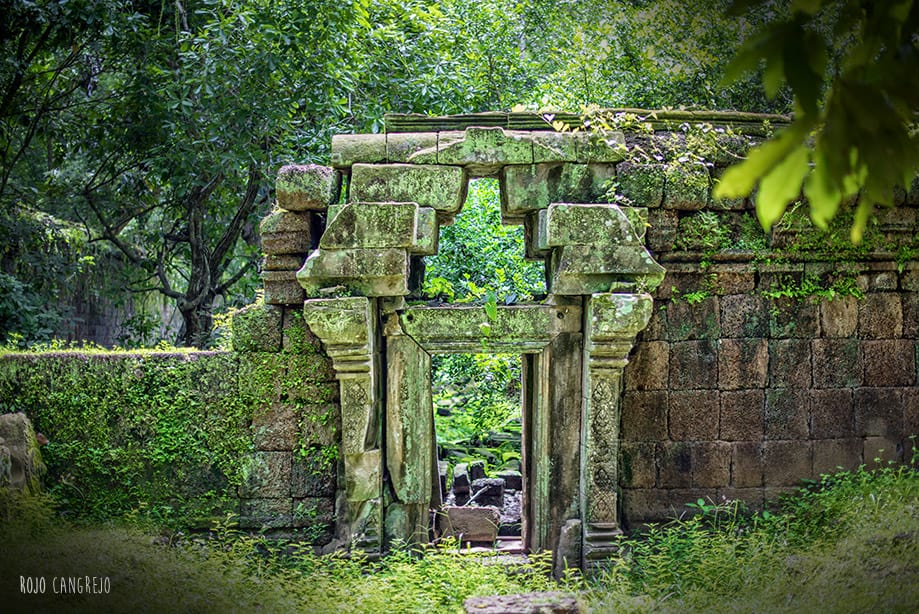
{"x": 401, "y": 186}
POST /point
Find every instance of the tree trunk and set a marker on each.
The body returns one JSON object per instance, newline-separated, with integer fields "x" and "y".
{"x": 197, "y": 323}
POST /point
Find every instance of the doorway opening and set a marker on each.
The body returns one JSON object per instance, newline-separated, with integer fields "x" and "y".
{"x": 479, "y": 427}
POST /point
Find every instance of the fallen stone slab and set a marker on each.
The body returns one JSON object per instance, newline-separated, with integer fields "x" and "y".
{"x": 469, "y": 524}
{"x": 488, "y": 492}
{"x": 525, "y": 603}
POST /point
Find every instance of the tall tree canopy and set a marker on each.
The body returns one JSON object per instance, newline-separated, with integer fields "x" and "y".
{"x": 157, "y": 125}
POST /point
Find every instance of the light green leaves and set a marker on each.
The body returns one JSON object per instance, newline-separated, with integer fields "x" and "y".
{"x": 781, "y": 185}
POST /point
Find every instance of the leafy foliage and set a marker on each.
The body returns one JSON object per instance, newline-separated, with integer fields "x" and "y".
{"x": 851, "y": 65}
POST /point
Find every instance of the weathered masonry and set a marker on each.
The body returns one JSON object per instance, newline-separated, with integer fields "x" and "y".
{"x": 727, "y": 394}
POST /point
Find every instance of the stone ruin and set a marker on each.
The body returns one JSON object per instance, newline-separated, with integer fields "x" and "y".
{"x": 351, "y": 261}
{"x": 21, "y": 465}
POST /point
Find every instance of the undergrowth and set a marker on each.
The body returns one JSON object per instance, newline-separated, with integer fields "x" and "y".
{"x": 846, "y": 543}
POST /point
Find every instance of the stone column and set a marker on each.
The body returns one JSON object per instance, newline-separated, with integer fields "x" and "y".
{"x": 612, "y": 321}
{"x": 410, "y": 449}
{"x": 347, "y": 328}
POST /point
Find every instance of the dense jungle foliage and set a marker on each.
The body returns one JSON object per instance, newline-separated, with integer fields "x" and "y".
{"x": 153, "y": 129}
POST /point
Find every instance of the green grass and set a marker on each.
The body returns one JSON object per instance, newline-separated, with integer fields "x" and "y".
{"x": 849, "y": 543}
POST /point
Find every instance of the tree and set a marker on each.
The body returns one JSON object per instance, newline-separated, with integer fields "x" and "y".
{"x": 852, "y": 66}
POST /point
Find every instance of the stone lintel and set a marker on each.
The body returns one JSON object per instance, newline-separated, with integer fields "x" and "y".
{"x": 348, "y": 149}
{"x": 367, "y": 272}
{"x": 371, "y": 225}
{"x": 589, "y": 269}
{"x": 468, "y": 328}
{"x": 442, "y": 188}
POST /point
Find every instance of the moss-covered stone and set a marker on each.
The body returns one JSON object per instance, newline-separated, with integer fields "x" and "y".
{"x": 372, "y": 225}
{"x": 642, "y": 184}
{"x": 687, "y": 187}
{"x": 257, "y": 328}
{"x": 307, "y": 187}
{"x": 367, "y": 272}
{"x": 442, "y": 188}
{"x": 348, "y": 149}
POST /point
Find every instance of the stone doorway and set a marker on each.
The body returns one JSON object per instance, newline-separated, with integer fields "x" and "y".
{"x": 575, "y": 343}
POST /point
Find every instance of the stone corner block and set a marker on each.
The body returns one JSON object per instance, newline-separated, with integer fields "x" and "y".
{"x": 307, "y": 187}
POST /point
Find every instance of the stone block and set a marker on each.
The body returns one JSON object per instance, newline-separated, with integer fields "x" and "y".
{"x": 314, "y": 474}
{"x": 693, "y": 365}
{"x": 742, "y": 363}
{"x": 790, "y": 363}
{"x": 485, "y": 150}
{"x": 880, "y": 316}
{"x": 283, "y": 262}
{"x": 644, "y": 415}
{"x": 585, "y": 269}
{"x": 694, "y": 415}
{"x": 786, "y": 415}
{"x": 911, "y": 413}
{"x": 648, "y": 367}
{"x": 744, "y": 315}
{"x": 555, "y": 146}
{"x": 366, "y": 272}
{"x": 751, "y": 499}
{"x": 552, "y": 602}
{"x": 267, "y": 475}
{"x": 513, "y": 480}
{"x": 531, "y": 187}
{"x": 680, "y": 498}
{"x": 737, "y": 280}
{"x": 889, "y": 362}
{"x": 469, "y": 524}
{"x": 831, "y": 413}
{"x": 347, "y": 149}
{"x": 274, "y": 427}
{"x": 265, "y": 513}
{"x": 296, "y": 337}
{"x": 726, "y": 204}
{"x": 363, "y": 475}
{"x": 637, "y": 467}
{"x": 674, "y": 464}
{"x": 320, "y": 424}
{"x": 487, "y": 492}
{"x": 662, "y": 230}
{"x": 308, "y": 187}
{"x": 711, "y": 464}
{"x": 477, "y": 470}
{"x": 792, "y": 318}
{"x": 371, "y": 225}
{"x": 686, "y": 187}
{"x": 878, "y": 412}
{"x": 461, "y": 481}
{"x": 881, "y": 452}
{"x": 22, "y": 466}
{"x": 835, "y": 455}
{"x": 315, "y": 513}
{"x": 606, "y": 146}
{"x": 786, "y": 463}
{"x": 836, "y": 363}
{"x": 427, "y": 233}
{"x": 701, "y": 320}
{"x": 642, "y": 184}
{"x": 257, "y": 328}
{"x": 640, "y": 505}
{"x": 839, "y": 317}
{"x": 580, "y": 224}
{"x": 746, "y": 464}
{"x": 401, "y": 146}
{"x": 282, "y": 288}
{"x": 286, "y": 241}
{"x": 742, "y": 415}
{"x": 910, "y": 304}
{"x": 442, "y": 188}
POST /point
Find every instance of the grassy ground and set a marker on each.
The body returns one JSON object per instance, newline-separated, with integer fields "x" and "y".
{"x": 849, "y": 544}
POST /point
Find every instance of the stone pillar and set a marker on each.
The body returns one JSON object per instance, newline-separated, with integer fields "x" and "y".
{"x": 612, "y": 321}
{"x": 410, "y": 449}
{"x": 347, "y": 328}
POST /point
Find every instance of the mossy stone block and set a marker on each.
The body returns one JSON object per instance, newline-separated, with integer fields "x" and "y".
{"x": 349, "y": 149}
{"x": 642, "y": 184}
{"x": 367, "y": 272}
{"x": 442, "y": 188}
{"x": 307, "y": 187}
{"x": 371, "y": 225}
{"x": 577, "y": 224}
{"x": 686, "y": 187}
{"x": 257, "y": 328}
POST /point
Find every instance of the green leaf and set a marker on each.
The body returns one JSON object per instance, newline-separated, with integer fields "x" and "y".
{"x": 821, "y": 191}
{"x": 739, "y": 179}
{"x": 781, "y": 185}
